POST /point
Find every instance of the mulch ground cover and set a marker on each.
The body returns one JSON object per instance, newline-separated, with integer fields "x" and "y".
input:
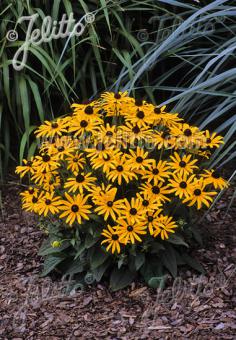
{"x": 191, "y": 307}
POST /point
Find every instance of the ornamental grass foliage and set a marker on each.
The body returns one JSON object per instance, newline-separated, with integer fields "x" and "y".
{"x": 116, "y": 185}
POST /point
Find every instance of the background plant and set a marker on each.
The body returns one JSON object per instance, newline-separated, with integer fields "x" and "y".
{"x": 161, "y": 49}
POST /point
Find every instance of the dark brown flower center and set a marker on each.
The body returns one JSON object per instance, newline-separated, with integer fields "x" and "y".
{"x": 182, "y": 164}
{"x": 119, "y": 168}
{"x": 187, "y": 132}
{"x": 150, "y": 218}
{"x": 109, "y": 133}
{"x": 155, "y": 190}
{"x": 54, "y": 125}
{"x": 31, "y": 191}
{"x": 34, "y": 200}
{"x": 117, "y": 95}
{"x": 133, "y": 211}
{"x": 130, "y": 228}
{"x": 109, "y": 204}
{"x": 155, "y": 171}
{"x": 46, "y": 158}
{"x": 83, "y": 123}
{"x": 79, "y": 178}
{"x": 197, "y": 192}
{"x": 47, "y": 201}
{"x": 115, "y": 237}
{"x": 88, "y": 110}
{"x": 136, "y": 129}
{"x": 60, "y": 148}
{"x": 106, "y": 158}
{"x": 208, "y": 140}
{"x": 183, "y": 185}
{"x": 140, "y": 114}
{"x": 145, "y": 203}
{"x": 29, "y": 163}
{"x": 74, "y": 208}
{"x": 139, "y": 159}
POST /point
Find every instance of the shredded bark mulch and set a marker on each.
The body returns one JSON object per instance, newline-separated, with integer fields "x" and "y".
{"x": 191, "y": 307}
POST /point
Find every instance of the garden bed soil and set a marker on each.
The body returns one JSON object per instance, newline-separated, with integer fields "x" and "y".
{"x": 192, "y": 307}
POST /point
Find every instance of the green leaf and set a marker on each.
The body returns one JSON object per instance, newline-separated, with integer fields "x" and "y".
{"x": 176, "y": 239}
{"x": 121, "y": 278}
{"x": 51, "y": 262}
{"x": 90, "y": 241}
{"x": 169, "y": 260}
{"x": 193, "y": 263}
{"x": 98, "y": 257}
{"x": 47, "y": 249}
{"x": 139, "y": 260}
{"x": 99, "y": 271}
{"x": 75, "y": 267}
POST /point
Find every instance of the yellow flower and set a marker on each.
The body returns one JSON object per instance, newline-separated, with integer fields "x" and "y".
{"x": 61, "y": 147}
{"x": 156, "y": 171}
{"x": 132, "y": 210}
{"x": 182, "y": 165}
{"x": 46, "y": 163}
{"x": 106, "y": 160}
{"x": 129, "y": 231}
{"x": 138, "y": 159}
{"x": 31, "y": 203}
{"x": 121, "y": 170}
{"x": 212, "y": 141}
{"x": 112, "y": 239}
{"x": 164, "y": 225}
{"x": 141, "y": 118}
{"x": 75, "y": 208}
{"x": 75, "y": 162}
{"x": 27, "y": 167}
{"x": 156, "y": 192}
{"x": 199, "y": 196}
{"x": 182, "y": 186}
{"x": 186, "y": 135}
{"x": 88, "y": 111}
{"x": 131, "y": 133}
{"x": 152, "y": 220}
{"x": 106, "y": 204}
{"x": 148, "y": 202}
{"x": 162, "y": 139}
{"x": 80, "y": 182}
{"x": 56, "y": 244}
{"x": 114, "y": 103}
{"x": 28, "y": 194}
{"x": 50, "y": 129}
{"x": 48, "y": 204}
{"x": 80, "y": 125}
{"x": 213, "y": 177}
{"x": 165, "y": 119}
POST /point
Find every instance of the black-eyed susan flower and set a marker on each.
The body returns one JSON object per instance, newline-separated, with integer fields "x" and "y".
{"x": 121, "y": 170}
{"x": 213, "y": 177}
{"x": 75, "y": 162}
{"x": 105, "y": 160}
{"x": 51, "y": 129}
{"x": 211, "y": 140}
{"x": 138, "y": 159}
{"x": 148, "y": 202}
{"x": 164, "y": 225}
{"x": 141, "y": 118}
{"x": 75, "y": 208}
{"x": 114, "y": 103}
{"x": 157, "y": 192}
{"x": 199, "y": 195}
{"x": 45, "y": 162}
{"x": 163, "y": 139}
{"x": 182, "y": 164}
{"x": 86, "y": 111}
{"x": 27, "y": 167}
{"x": 181, "y": 185}
{"x": 152, "y": 220}
{"x": 112, "y": 239}
{"x": 29, "y": 193}
{"x": 81, "y": 125}
{"x": 130, "y": 133}
{"x": 31, "y": 203}
{"x": 107, "y": 205}
{"x": 48, "y": 203}
{"x": 186, "y": 135}
{"x": 80, "y": 182}
{"x": 156, "y": 171}
{"x": 131, "y": 209}
{"x": 129, "y": 231}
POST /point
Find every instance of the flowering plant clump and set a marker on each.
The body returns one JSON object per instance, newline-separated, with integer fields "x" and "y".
{"x": 114, "y": 183}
